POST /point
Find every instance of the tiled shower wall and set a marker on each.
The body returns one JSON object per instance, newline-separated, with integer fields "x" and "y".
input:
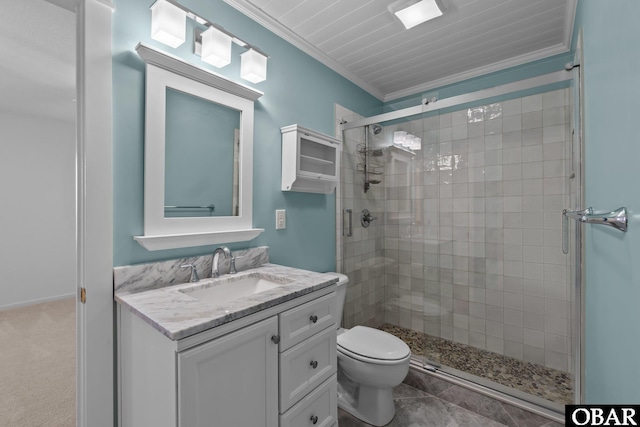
{"x": 470, "y": 248}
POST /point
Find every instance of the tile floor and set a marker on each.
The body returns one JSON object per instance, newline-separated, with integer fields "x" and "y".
{"x": 416, "y": 408}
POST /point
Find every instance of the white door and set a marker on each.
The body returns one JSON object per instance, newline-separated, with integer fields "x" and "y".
{"x": 231, "y": 381}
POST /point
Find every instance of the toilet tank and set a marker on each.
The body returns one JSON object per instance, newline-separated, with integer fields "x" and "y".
{"x": 341, "y": 293}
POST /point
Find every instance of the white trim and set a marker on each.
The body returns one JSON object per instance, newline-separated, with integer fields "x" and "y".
{"x": 545, "y": 79}
{"x": 94, "y": 319}
{"x": 480, "y": 71}
{"x": 569, "y": 22}
{"x": 172, "y": 241}
{"x": 36, "y": 301}
{"x": 177, "y": 65}
{"x": 280, "y": 30}
{"x": 160, "y": 231}
{"x": 69, "y": 5}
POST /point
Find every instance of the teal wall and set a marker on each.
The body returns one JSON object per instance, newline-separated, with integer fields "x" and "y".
{"x": 611, "y": 71}
{"x": 298, "y": 90}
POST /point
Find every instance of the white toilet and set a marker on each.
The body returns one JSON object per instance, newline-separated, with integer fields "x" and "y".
{"x": 370, "y": 363}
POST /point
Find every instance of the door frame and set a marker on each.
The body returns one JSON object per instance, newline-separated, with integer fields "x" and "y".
{"x": 94, "y": 207}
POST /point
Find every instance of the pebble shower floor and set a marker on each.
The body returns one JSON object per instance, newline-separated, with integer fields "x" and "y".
{"x": 550, "y": 384}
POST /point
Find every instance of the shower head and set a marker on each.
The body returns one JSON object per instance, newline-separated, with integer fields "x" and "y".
{"x": 376, "y": 128}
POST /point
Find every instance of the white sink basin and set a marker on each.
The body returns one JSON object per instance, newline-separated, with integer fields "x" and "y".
{"x": 222, "y": 291}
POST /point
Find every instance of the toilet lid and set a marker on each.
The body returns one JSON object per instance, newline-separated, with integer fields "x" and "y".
{"x": 373, "y": 343}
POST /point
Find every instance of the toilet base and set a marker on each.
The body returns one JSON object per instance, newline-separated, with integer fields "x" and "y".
{"x": 369, "y": 404}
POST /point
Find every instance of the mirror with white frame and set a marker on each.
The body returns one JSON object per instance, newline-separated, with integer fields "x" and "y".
{"x": 193, "y": 114}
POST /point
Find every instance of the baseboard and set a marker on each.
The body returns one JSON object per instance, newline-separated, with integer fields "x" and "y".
{"x": 36, "y": 301}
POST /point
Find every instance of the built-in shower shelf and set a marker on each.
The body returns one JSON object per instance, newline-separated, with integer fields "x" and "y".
{"x": 310, "y": 160}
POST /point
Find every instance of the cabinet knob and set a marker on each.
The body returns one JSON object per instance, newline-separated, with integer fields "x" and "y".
{"x": 275, "y": 339}
{"x": 313, "y": 364}
{"x": 314, "y": 419}
{"x": 313, "y": 319}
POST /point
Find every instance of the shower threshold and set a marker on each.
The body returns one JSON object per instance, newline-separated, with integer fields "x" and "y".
{"x": 549, "y": 384}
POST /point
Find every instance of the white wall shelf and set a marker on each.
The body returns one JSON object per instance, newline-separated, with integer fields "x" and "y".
{"x": 310, "y": 160}
{"x": 171, "y": 241}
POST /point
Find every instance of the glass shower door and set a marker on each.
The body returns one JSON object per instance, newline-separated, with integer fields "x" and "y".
{"x": 411, "y": 234}
{"x": 505, "y": 290}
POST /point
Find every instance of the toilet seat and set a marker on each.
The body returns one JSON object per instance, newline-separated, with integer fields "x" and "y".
{"x": 373, "y": 346}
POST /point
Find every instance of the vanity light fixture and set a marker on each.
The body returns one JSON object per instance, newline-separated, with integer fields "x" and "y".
{"x": 412, "y": 13}
{"x": 168, "y": 23}
{"x": 406, "y": 140}
{"x": 253, "y": 66}
{"x": 168, "y": 26}
{"x": 216, "y": 47}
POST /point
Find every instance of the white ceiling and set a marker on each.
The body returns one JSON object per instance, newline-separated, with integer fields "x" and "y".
{"x": 362, "y": 40}
{"x": 37, "y": 71}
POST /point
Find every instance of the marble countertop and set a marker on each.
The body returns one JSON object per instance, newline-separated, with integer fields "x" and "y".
{"x": 177, "y": 315}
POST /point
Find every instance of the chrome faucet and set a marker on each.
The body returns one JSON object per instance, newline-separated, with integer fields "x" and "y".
{"x": 216, "y": 255}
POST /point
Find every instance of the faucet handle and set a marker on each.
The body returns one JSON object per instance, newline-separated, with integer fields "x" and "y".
{"x": 194, "y": 273}
{"x": 232, "y": 266}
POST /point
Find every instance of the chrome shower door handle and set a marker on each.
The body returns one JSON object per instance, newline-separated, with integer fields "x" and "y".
{"x": 617, "y": 219}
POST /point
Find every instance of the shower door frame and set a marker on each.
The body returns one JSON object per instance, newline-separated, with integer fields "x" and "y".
{"x": 576, "y": 320}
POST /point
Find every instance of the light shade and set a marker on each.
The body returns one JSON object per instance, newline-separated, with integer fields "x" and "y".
{"x": 216, "y": 47}
{"x": 399, "y": 137}
{"x": 253, "y": 66}
{"x": 168, "y": 23}
{"x": 418, "y": 13}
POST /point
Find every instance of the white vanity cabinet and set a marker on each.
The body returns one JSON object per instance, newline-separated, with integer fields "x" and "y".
{"x": 274, "y": 367}
{"x": 310, "y": 160}
{"x": 212, "y": 377}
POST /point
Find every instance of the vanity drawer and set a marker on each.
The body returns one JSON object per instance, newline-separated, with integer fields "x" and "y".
{"x": 320, "y": 406}
{"x": 298, "y": 324}
{"x": 306, "y": 365}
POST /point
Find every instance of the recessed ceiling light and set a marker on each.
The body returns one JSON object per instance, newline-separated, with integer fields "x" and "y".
{"x": 414, "y": 13}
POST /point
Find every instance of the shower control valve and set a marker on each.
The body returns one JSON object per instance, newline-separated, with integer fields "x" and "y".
{"x": 366, "y": 218}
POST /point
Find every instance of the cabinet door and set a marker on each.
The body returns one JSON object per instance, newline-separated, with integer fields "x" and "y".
{"x": 317, "y": 158}
{"x": 231, "y": 381}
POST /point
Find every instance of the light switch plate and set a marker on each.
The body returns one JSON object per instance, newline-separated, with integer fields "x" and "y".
{"x": 281, "y": 219}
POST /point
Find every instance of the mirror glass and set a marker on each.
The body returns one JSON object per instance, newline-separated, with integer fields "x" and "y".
{"x": 202, "y": 148}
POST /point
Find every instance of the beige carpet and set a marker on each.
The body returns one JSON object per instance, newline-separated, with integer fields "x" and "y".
{"x": 38, "y": 365}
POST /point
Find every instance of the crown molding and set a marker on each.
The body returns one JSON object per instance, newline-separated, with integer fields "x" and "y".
{"x": 477, "y": 72}
{"x": 569, "y": 22}
{"x": 280, "y": 30}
